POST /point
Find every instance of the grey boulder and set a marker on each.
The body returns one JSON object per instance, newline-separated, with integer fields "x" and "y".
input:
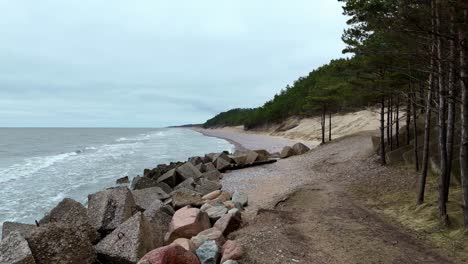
{"x": 145, "y": 197}
{"x": 287, "y": 152}
{"x": 209, "y": 252}
{"x": 139, "y": 183}
{"x": 240, "y": 198}
{"x": 300, "y": 148}
{"x": 23, "y": 229}
{"x": 14, "y": 249}
{"x": 188, "y": 170}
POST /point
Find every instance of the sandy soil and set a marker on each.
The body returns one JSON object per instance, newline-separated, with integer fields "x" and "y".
{"x": 301, "y": 212}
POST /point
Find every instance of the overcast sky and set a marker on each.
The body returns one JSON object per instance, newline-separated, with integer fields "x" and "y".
{"x": 151, "y": 63}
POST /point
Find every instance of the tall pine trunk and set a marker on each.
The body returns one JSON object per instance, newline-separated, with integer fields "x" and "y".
{"x": 415, "y": 132}
{"x": 463, "y": 35}
{"x": 382, "y": 132}
{"x": 442, "y": 111}
{"x": 324, "y": 110}
{"x": 391, "y": 122}
{"x": 397, "y": 123}
{"x": 408, "y": 119}
{"x": 451, "y": 102}
{"x": 427, "y": 119}
{"x": 329, "y": 126}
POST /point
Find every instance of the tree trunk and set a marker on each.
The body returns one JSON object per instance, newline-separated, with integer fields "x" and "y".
{"x": 382, "y": 132}
{"x": 451, "y": 103}
{"x": 408, "y": 119}
{"x": 324, "y": 110}
{"x": 388, "y": 123}
{"x": 391, "y": 122}
{"x": 463, "y": 35}
{"x": 415, "y": 132}
{"x": 427, "y": 120}
{"x": 329, "y": 126}
{"x": 397, "y": 123}
{"x": 441, "y": 123}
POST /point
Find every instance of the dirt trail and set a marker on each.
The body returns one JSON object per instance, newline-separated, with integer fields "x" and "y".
{"x": 300, "y": 211}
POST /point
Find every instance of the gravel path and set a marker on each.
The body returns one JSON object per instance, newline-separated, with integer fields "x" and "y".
{"x": 300, "y": 212}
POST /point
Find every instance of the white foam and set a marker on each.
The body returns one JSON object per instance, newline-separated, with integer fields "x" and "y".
{"x": 30, "y": 166}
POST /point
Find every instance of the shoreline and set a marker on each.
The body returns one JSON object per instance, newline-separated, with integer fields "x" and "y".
{"x": 237, "y": 146}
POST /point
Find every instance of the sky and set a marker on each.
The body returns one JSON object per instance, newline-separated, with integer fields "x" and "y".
{"x": 154, "y": 63}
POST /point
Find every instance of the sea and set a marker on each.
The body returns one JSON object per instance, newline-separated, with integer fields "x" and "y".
{"x": 41, "y": 166}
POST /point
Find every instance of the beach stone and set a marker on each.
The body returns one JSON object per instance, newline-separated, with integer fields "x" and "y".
{"x": 188, "y": 184}
{"x": 188, "y": 170}
{"x": 200, "y": 167}
{"x": 263, "y": 155}
{"x": 23, "y": 229}
{"x": 110, "y": 208}
{"x": 14, "y": 249}
{"x": 145, "y": 197}
{"x": 231, "y": 251}
{"x": 209, "y": 166}
{"x": 72, "y": 213}
{"x": 196, "y": 160}
{"x": 240, "y": 160}
{"x": 208, "y": 252}
{"x": 205, "y": 207}
{"x": 60, "y": 243}
{"x": 207, "y": 186}
{"x": 240, "y": 198}
{"x": 185, "y": 243}
{"x": 216, "y": 212}
{"x": 275, "y": 155}
{"x": 229, "y": 204}
{"x": 287, "y": 152}
{"x": 160, "y": 170}
{"x": 139, "y": 183}
{"x": 183, "y": 197}
{"x": 165, "y": 187}
{"x": 186, "y": 223}
{"x": 123, "y": 180}
{"x": 159, "y": 217}
{"x": 300, "y": 148}
{"x": 172, "y": 254}
{"x": 229, "y": 223}
{"x": 223, "y": 197}
{"x": 169, "y": 178}
{"x": 208, "y": 234}
{"x": 213, "y": 175}
{"x": 230, "y": 262}
{"x": 251, "y": 157}
{"x": 233, "y": 211}
{"x": 212, "y": 195}
{"x": 128, "y": 243}
{"x": 222, "y": 164}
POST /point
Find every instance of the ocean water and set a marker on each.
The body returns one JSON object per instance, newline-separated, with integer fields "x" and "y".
{"x": 41, "y": 166}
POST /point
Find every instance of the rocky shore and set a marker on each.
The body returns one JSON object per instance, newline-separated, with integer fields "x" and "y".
{"x": 174, "y": 213}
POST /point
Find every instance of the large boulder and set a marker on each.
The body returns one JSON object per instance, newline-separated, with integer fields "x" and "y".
{"x": 231, "y": 251}
{"x": 73, "y": 213}
{"x": 14, "y": 249}
{"x": 169, "y": 178}
{"x": 300, "y": 148}
{"x": 251, "y": 157}
{"x": 165, "y": 187}
{"x": 160, "y": 170}
{"x": 240, "y": 198}
{"x": 128, "y": 243}
{"x": 145, "y": 197}
{"x": 183, "y": 197}
{"x": 208, "y": 234}
{"x": 229, "y": 223}
{"x": 222, "y": 164}
{"x": 60, "y": 243}
{"x": 188, "y": 170}
{"x": 287, "y": 152}
{"x": 223, "y": 197}
{"x": 160, "y": 217}
{"x": 186, "y": 223}
{"x": 172, "y": 254}
{"x": 263, "y": 155}
{"x": 188, "y": 184}
{"x": 196, "y": 160}
{"x": 213, "y": 175}
{"x": 240, "y": 160}
{"x": 209, "y": 166}
{"x": 139, "y": 183}
{"x": 209, "y": 252}
{"x": 206, "y": 186}
{"x": 110, "y": 208}
{"x": 123, "y": 180}
{"x": 23, "y": 229}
